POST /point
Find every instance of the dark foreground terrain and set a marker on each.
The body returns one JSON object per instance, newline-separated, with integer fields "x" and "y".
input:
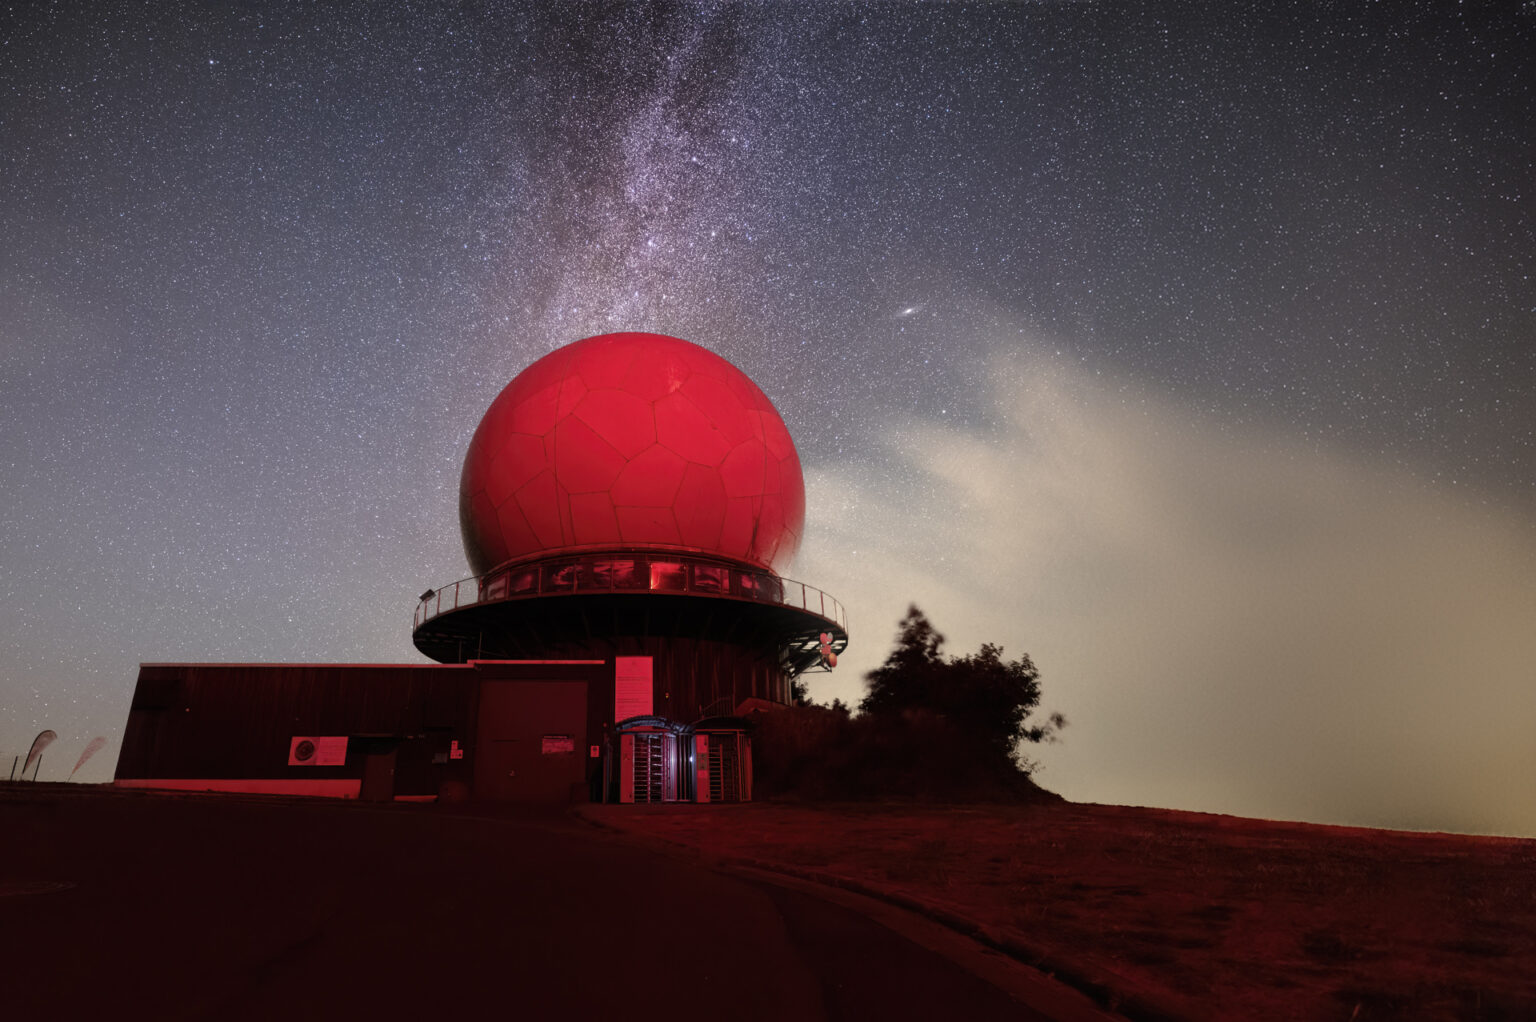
{"x": 138, "y": 905}
{"x": 1173, "y": 914}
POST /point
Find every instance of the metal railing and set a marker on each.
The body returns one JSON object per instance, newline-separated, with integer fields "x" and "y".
{"x": 612, "y": 573}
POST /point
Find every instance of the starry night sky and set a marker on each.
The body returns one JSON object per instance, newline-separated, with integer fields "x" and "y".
{"x": 1192, "y": 352}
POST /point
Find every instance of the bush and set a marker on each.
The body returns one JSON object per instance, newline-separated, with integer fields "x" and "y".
{"x": 930, "y": 728}
{"x": 987, "y": 698}
{"x": 817, "y": 753}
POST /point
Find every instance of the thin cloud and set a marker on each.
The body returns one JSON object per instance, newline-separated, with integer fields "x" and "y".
{"x": 1233, "y": 621}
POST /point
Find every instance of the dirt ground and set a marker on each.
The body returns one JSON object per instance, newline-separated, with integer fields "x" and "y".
{"x": 183, "y": 907}
{"x": 1174, "y": 914}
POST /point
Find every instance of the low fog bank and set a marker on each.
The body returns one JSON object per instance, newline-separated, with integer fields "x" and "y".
{"x": 1234, "y": 622}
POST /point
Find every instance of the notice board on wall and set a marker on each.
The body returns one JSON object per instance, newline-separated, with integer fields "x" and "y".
{"x": 631, "y": 687}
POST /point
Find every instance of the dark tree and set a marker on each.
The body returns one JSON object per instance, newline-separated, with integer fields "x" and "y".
{"x": 984, "y": 697}
{"x": 799, "y": 695}
{"x": 909, "y": 676}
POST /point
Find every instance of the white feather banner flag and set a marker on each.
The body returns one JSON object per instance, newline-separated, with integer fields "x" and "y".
{"x": 91, "y": 748}
{"x": 41, "y": 742}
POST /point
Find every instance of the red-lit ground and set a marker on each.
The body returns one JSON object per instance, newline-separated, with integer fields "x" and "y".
{"x": 135, "y": 905}
{"x": 1181, "y": 914}
{"x": 139, "y": 905}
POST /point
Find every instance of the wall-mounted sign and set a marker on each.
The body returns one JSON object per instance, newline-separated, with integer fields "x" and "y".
{"x": 554, "y": 744}
{"x": 594, "y": 751}
{"x": 631, "y": 687}
{"x": 317, "y": 751}
{"x": 454, "y": 752}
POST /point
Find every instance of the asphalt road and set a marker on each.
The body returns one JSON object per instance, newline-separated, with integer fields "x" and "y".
{"x": 128, "y": 905}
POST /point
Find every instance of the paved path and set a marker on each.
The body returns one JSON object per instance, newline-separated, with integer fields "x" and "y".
{"x": 210, "y": 908}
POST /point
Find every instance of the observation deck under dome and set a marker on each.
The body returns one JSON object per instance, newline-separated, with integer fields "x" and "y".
{"x": 568, "y": 603}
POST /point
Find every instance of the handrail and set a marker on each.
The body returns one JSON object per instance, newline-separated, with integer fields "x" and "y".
{"x": 670, "y": 573}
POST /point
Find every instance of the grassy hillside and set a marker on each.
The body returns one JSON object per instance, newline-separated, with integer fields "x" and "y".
{"x": 1184, "y": 915}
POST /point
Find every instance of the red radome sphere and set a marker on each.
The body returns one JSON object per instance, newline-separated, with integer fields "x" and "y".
{"x": 631, "y": 442}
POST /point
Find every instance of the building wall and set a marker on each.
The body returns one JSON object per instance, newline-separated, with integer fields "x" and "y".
{"x": 410, "y": 727}
{"x": 710, "y": 654}
{"x": 531, "y": 741}
{"x": 692, "y": 677}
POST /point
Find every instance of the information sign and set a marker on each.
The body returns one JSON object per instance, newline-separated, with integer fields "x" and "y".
{"x": 632, "y": 687}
